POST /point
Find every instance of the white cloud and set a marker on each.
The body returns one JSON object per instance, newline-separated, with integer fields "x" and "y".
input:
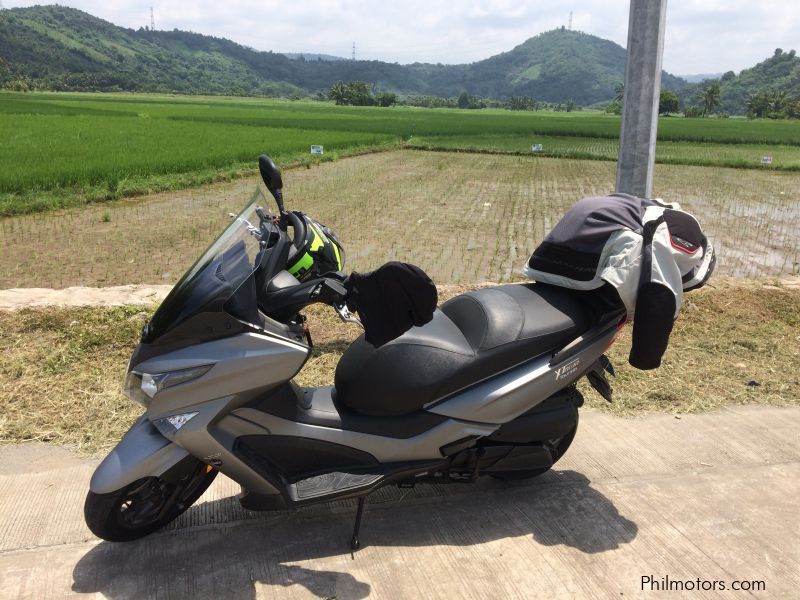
{"x": 702, "y": 35}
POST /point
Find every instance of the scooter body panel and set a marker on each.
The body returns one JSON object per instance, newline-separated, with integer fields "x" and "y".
{"x": 243, "y": 365}
{"x": 504, "y": 397}
{"x": 424, "y": 446}
{"x": 142, "y": 452}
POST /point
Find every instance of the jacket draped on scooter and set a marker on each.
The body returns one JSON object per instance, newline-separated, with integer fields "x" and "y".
{"x": 649, "y": 252}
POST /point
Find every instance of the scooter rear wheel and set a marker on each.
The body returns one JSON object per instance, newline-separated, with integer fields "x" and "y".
{"x": 144, "y": 506}
{"x": 558, "y": 447}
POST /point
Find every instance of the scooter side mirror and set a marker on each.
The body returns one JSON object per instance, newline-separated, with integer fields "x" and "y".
{"x": 272, "y": 179}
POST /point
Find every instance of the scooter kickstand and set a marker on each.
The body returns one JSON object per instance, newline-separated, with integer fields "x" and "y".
{"x": 354, "y": 543}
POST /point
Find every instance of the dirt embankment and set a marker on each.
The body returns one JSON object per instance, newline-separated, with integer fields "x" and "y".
{"x": 119, "y": 295}
{"x": 144, "y": 295}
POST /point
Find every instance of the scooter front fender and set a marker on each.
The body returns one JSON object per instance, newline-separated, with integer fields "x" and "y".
{"x": 142, "y": 452}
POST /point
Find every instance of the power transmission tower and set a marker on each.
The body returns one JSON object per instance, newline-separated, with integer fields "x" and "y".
{"x": 354, "y": 50}
{"x": 570, "y": 21}
{"x": 152, "y": 20}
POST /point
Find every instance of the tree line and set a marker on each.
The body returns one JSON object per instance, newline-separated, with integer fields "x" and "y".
{"x": 360, "y": 93}
{"x": 773, "y": 104}
{"x": 770, "y": 104}
{"x": 765, "y": 103}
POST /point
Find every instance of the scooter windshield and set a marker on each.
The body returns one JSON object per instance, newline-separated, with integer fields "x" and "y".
{"x": 205, "y": 289}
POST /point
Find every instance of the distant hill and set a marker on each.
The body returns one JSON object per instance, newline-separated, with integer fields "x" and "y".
{"x": 780, "y": 72}
{"x": 698, "y": 77}
{"x": 554, "y": 66}
{"x": 311, "y": 56}
{"x": 66, "y": 49}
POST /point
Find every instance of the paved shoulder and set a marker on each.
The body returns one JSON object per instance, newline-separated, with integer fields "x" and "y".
{"x": 637, "y": 506}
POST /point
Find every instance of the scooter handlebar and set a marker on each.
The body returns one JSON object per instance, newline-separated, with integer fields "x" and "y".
{"x": 333, "y": 292}
{"x": 284, "y": 302}
{"x": 329, "y": 291}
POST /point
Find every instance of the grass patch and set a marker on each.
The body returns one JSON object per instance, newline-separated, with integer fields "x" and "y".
{"x": 62, "y": 372}
{"x": 62, "y": 369}
{"x": 730, "y": 346}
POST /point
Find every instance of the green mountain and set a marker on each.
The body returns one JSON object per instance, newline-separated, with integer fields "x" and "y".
{"x": 780, "y": 73}
{"x": 554, "y": 66}
{"x": 66, "y": 49}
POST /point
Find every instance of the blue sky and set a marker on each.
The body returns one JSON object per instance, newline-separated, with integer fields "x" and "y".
{"x": 703, "y": 36}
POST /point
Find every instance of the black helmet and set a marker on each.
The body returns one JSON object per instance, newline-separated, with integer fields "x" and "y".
{"x": 315, "y": 251}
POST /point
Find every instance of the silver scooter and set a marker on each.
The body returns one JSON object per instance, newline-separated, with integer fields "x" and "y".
{"x": 487, "y": 387}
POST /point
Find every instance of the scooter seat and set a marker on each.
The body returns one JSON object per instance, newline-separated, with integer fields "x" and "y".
{"x": 470, "y": 338}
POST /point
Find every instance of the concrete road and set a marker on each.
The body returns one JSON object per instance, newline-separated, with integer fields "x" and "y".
{"x": 706, "y": 501}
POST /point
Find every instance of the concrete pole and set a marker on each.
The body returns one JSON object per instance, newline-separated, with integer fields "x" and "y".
{"x": 637, "y": 140}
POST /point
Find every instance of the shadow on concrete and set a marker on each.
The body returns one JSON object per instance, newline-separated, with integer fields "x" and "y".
{"x": 208, "y": 559}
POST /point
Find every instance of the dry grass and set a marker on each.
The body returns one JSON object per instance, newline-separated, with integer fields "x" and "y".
{"x": 62, "y": 372}
{"x": 463, "y": 217}
{"x": 731, "y": 345}
{"x": 62, "y": 369}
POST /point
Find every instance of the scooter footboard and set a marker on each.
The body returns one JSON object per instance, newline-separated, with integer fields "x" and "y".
{"x": 142, "y": 452}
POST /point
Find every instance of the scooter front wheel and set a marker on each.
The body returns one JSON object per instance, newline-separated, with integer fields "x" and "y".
{"x": 144, "y": 506}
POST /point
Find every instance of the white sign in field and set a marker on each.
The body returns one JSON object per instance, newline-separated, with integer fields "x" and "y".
{"x": 766, "y": 160}
{"x": 536, "y": 148}
{"x": 317, "y": 150}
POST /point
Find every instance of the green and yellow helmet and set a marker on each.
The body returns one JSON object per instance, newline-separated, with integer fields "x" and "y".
{"x": 315, "y": 249}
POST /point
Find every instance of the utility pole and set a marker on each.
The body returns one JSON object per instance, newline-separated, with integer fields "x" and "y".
{"x": 354, "y": 50}
{"x": 570, "y": 21}
{"x": 637, "y": 140}
{"x": 152, "y": 20}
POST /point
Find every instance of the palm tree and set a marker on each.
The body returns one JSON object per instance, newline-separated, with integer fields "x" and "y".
{"x": 777, "y": 100}
{"x": 619, "y": 93}
{"x": 709, "y": 96}
{"x": 338, "y": 93}
{"x": 758, "y": 104}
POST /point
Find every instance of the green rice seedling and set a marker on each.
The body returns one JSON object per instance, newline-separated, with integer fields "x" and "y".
{"x": 66, "y": 149}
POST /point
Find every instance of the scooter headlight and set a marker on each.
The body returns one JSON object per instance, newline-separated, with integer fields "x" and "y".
{"x": 142, "y": 387}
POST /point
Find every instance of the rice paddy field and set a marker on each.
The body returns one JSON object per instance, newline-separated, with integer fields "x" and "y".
{"x": 743, "y": 156}
{"x": 464, "y": 218}
{"x": 69, "y": 149}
